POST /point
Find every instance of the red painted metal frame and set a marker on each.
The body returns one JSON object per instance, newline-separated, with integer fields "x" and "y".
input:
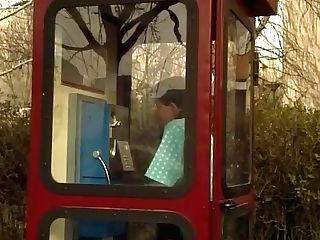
{"x": 41, "y": 200}
{"x": 218, "y": 121}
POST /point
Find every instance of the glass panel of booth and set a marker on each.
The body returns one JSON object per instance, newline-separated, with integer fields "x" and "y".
{"x": 237, "y": 224}
{"x": 119, "y": 87}
{"x": 238, "y": 104}
{"x": 105, "y": 229}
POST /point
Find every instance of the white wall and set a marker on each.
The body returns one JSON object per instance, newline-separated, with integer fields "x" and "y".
{"x": 57, "y": 229}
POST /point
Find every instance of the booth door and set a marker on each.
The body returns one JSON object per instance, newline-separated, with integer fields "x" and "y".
{"x": 232, "y": 199}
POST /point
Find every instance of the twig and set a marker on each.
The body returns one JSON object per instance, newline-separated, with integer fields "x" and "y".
{"x": 15, "y": 67}
{"x": 17, "y": 10}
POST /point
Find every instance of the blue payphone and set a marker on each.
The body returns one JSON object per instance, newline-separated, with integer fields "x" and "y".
{"x": 90, "y": 145}
{"x": 87, "y": 132}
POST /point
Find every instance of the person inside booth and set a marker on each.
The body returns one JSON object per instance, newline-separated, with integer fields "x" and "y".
{"x": 166, "y": 167}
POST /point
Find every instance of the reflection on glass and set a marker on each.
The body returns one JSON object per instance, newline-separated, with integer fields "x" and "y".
{"x": 104, "y": 229}
{"x": 238, "y": 105}
{"x": 236, "y": 228}
{"x": 119, "y": 86}
{"x": 213, "y": 50}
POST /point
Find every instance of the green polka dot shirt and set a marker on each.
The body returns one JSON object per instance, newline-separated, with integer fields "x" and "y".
{"x": 167, "y": 164}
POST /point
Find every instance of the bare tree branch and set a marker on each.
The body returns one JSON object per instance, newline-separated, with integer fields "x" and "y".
{"x": 74, "y": 13}
{"x": 290, "y": 53}
{"x": 17, "y": 10}
{"x": 107, "y": 16}
{"x": 16, "y": 50}
{"x": 15, "y": 67}
{"x": 144, "y": 20}
{"x": 127, "y": 12}
{"x": 262, "y": 25}
{"x": 175, "y": 19}
{"x": 147, "y": 17}
{"x": 93, "y": 43}
{"x": 78, "y": 49}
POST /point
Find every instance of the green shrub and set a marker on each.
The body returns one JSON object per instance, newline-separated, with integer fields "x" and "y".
{"x": 14, "y": 144}
{"x": 286, "y": 153}
{"x": 287, "y": 157}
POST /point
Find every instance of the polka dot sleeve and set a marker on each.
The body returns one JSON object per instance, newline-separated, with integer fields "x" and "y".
{"x": 167, "y": 165}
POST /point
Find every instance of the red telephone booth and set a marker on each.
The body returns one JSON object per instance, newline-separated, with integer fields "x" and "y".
{"x": 101, "y": 166}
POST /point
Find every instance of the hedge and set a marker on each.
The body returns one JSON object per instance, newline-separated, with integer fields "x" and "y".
{"x": 286, "y": 179}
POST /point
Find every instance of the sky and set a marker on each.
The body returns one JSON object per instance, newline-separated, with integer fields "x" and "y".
{"x": 271, "y": 36}
{"x": 7, "y": 3}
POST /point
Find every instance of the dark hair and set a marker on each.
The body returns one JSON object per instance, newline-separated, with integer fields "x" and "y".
{"x": 174, "y": 96}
